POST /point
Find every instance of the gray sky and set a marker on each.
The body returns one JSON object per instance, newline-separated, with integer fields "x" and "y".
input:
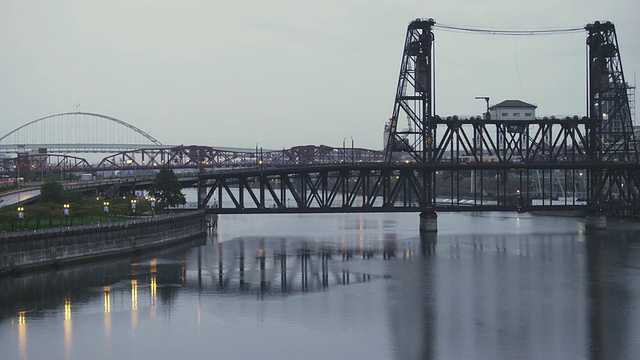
{"x": 282, "y": 73}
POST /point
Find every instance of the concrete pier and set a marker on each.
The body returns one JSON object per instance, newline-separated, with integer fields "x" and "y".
{"x": 429, "y": 221}
{"x": 596, "y": 220}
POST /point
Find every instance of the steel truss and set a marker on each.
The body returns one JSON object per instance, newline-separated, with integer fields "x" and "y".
{"x": 203, "y": 157}
{"x": 601, "y": 145}
{"x": 191, "y": 158}
{"x": 398, "y": 187}
{"x": 611, "y": 137}
{"x": 414, "y": 96}
{"x": 40, "y": 163}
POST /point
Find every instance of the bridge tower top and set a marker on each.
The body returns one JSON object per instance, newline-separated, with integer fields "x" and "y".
{"x": 414, "y": 95}
{"x": 612, "y": 135}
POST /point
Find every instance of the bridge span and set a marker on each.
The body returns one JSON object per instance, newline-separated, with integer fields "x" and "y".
{"x": 588, "y": 164}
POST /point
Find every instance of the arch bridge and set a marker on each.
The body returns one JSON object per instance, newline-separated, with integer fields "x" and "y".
{"x": 76, "y": 132}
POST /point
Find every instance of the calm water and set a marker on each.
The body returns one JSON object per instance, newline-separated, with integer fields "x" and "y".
{"x": 489, "y": 286}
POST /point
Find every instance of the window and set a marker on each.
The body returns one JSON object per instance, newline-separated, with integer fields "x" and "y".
{"x": 527, "y": 114}
{"x": 516, "y": 114}
{"x": 504, "y": 114}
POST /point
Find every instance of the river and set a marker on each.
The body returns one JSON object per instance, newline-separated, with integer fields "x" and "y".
{"x": 344, "y": 286}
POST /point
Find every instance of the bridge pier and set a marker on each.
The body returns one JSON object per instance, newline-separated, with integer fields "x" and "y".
{"x": 596, "y": 220}
{"x": 429, "y": 221}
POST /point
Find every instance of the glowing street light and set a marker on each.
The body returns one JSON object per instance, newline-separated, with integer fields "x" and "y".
{"x": 153, "y": 205}
{"x": 21, "y": 214}
{"x": 106, "y": 210}
{"x": 66, "y": 212}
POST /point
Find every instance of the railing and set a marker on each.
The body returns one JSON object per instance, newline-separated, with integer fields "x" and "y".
{"x": 104, "y": 225}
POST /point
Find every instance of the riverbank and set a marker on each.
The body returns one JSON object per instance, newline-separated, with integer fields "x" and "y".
{"x": 29, "y": 250}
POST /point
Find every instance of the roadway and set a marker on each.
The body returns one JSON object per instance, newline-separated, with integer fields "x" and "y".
{"x": 18, "y": 196}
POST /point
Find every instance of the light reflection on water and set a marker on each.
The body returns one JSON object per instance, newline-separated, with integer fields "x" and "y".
{"x": 344, "y": 286}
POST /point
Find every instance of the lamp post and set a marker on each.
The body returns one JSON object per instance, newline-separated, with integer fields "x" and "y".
{"x": 17, "y": 166}
{"x": 21, "y": 214}
{"x": 106, "y": 210}
{"x": 153, "y": 206}
{"x": 353, "y": 155}
{"x": 344, "y": 150}
{"x": 66, "y": 212}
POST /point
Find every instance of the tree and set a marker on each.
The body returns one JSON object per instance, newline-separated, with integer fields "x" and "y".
{"x": 167, "y": 189}
{"x": 52, "y": 191}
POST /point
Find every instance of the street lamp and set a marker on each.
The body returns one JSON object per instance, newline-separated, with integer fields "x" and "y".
{"x": 106, "y": 210}
{"x": 21, "y": 214}
{"x": 153, "y": 205}
{"x": 135, "y": 171}
{"x": 17, "y": 166}
{"x": 353, "y": 155}
{"x": 344, "y": 150}
{"x": 133, "y": 206}
{"x": 66, "y": 212}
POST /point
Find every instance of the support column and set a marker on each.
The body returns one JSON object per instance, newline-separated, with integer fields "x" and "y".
{"x": 429, "y": 221}
{"x": 202, "y": 192}
{"x": 596, "y": 220}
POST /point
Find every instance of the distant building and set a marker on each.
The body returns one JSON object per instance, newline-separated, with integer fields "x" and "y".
{"x": 513, "y": 110}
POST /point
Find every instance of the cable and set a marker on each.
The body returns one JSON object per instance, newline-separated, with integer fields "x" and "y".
{"x": 506, "y": 32}
{"x": 515, "y": 56}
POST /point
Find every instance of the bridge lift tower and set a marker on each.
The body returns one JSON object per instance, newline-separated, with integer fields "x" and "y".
{"x": 611, "y": 137}
{"x": 608, "y": 140}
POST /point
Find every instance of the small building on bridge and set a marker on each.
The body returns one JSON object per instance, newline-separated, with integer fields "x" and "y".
{"x": 513, "y": 110}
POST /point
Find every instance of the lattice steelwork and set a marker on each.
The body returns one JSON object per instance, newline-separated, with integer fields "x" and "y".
{"x": 611, "y": 128}
{"x": 203, "y": 158}
{"x": 414, "y": 96}
{"x": 600, "y": 146}
{"x": 398, "y": 187}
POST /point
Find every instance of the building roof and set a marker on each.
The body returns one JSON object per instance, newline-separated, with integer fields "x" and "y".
{"x": 512, "y": 104}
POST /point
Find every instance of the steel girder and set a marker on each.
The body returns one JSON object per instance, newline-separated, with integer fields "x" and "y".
{"x": 204, "y": 157}
{"x": 414, "y": 96}
{"x": 604, "y": 137}
{"x": 197, "y": 158}
{"x": 511, "y": 141}
{"x": 45, "y": 163}
{"x": 393, "y": 187}
{"x": 611, "y": 137}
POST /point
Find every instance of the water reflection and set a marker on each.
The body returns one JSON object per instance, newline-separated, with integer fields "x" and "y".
{"x": 22, "y": 334}
{"x": 612, "y": 306}
{"x": 54, "y": 289}
{"x": 274, "y": 267}
{"x": 375, "y": 289}
{"x": 68, "y": 329}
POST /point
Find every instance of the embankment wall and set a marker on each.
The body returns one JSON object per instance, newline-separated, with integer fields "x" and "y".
{"x": 20, "y": 251}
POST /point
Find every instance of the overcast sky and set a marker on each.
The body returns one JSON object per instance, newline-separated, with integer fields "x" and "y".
{"x": 282, "y": 73}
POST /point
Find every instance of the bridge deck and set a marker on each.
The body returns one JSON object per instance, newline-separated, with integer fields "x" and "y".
{"x": 400, "y": 187}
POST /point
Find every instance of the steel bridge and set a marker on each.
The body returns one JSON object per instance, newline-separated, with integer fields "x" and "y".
{"x": 76, "y": 132}
{"x": 57, "y": 143}
{"x": 587, "y": 164}
{"x": 193, "y": 157}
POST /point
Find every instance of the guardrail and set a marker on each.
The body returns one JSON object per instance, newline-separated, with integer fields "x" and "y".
{"x": 104, "y": 225}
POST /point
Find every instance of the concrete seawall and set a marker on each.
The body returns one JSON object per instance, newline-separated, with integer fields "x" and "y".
{"x": 20, "y": 251}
